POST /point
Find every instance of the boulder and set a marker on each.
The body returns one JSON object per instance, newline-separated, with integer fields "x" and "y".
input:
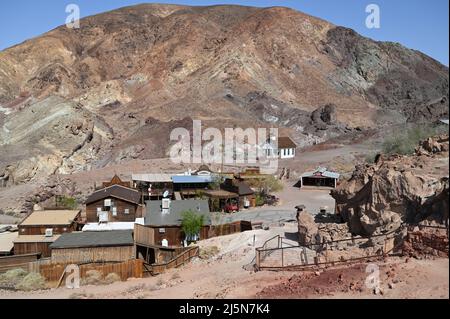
{"x": 379, "y": 197}
{"x": 307, "y": 229}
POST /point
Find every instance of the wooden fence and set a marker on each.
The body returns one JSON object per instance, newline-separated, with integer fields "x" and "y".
{"x": 227, "y": 229}
{"x": 128, "y": 269}
{"x": 17, "y": 261}
{"x": 176, "y": 262}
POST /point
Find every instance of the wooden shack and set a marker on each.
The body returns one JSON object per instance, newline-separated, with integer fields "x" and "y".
{"x": 34, "y": 244}
{"x": 59, "y": 221}
{"x": 242, "y": 189}
{"x": 162, "y": 234}
{"x": 116, "y": 202}
{"x": 93, "y": 247}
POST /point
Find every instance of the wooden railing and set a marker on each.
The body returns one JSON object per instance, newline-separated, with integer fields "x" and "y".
{"x": 176, "y": 262}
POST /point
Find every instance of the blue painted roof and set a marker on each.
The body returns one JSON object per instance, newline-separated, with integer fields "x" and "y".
{"x": 178, "y": 179}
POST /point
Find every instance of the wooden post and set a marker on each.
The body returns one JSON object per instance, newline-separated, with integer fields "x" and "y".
{"x": 282, "y": 257}
{"x": 257, "y": 260}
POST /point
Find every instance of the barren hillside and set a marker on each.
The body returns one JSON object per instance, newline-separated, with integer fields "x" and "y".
{"x": 111, "y": 91}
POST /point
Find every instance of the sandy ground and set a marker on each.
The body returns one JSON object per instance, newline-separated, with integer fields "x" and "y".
{"x": 225, "y": 275}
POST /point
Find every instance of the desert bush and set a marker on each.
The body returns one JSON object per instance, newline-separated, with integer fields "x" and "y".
{"x": 66, "y": 202}
{"x": 370, "y": 157}
{"x": 404, "y": 141}
{"x": 268, "y": 185}
{"x": 160, "y": 282}
{"x": 175, "y": 275}
{"x": 112, "y": 277}
{"x": 81, "y": 295}
{"x": 208, "y": 252}
{"x": 152, "y": 288}
{"x": 136, "y": 288}
{"x": 13, "y": 277}
{"x": 93, "y": 277}
{"x": 32, "y": 281}
{"x": 260, "y": 200}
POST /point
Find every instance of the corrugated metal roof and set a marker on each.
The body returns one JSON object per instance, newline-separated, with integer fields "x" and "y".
{"x": 108, "y": 226}
{"x": 152, "y": 178}
{"x": 94, "y": 239}
{"x": 116, "y": 191}
{"x": 181, "y": 179}
{"x": 154, "y": 216}
{"x": 50, "y": 217}
{"x": 323, "y": 172}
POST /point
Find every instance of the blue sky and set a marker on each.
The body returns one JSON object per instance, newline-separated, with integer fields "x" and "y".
{"x": 417, "y": 24}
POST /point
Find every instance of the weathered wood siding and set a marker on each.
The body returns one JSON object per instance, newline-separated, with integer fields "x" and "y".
{"x": 144, "y": 235}
{"x": 135, "y": 211}
{"x": 128, "y": 269}
{"x": 32, "y": 248}
{"x": 18, "y": 261}
{"x": 151, "y": 236}
{"x": 92, "y": 254}
{"x": 40, "y": 230}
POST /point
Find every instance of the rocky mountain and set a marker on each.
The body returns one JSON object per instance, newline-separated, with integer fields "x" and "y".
{"x": 112, "y": 90}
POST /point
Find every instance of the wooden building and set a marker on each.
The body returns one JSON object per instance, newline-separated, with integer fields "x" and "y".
{"x": 153, "y": 186}
{"x": 162, "y": 233}
{"x": 321, "y": 177}
{"x": 282, "y": 148}
{"x": 245, "y": 194}
{"x": 8, "y": 233}
{"x": 115, "y": 203}
{"x": 116, "y": 181}
{"x": 34, "y": 244}
{"x": 190, "y": 184}
{"x": 93, "y": 247}
{"x": 57, "y": 221}
{"x": 219, "y": 198}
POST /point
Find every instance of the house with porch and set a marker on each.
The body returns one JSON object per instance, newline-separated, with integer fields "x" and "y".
{"x": 321, "y": 177}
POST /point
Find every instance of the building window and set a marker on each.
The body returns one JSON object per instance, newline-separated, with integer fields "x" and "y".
{"x": 127, "y": 211}
{"x": 114, "y": 211}
{"x": 162, "y": 230}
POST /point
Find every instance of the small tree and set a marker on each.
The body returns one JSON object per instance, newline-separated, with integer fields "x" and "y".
{"x": 268, "y": 185}
{"x": 66, "y": 202}
{"x": 191, "y": 224}
{"x": 216, "y": 181}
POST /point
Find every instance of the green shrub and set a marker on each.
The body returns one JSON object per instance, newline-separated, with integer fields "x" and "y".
{"x": 191, "y": 223}
{"x": 404, "y": 141}
{"x": 66, "y": 202}
{"x": 260, "y": 200}
{"x": 32, "y": 281}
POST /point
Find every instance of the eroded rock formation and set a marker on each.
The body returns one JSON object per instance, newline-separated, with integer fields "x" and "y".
{"x": 397, "y": 189}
